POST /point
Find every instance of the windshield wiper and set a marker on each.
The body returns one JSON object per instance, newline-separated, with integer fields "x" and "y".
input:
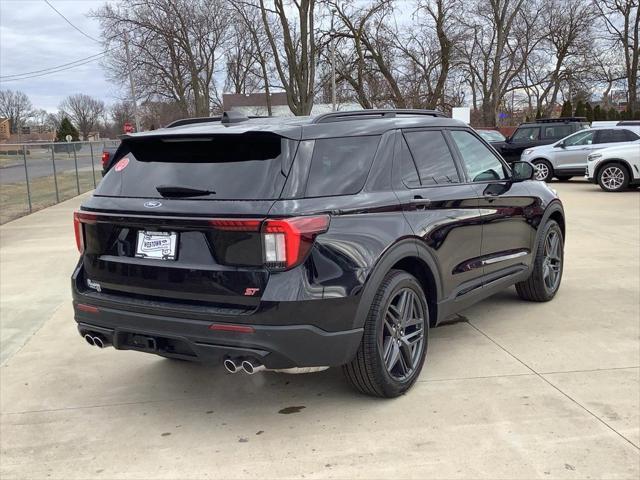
{"x": 181, "y": 191}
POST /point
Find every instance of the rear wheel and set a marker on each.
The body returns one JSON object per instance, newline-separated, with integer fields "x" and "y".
{"x": 613, "y": 177}
{"x": 544, "y": 170}
{"x": 394, "y": 342}
{"x": 544, "y": 281}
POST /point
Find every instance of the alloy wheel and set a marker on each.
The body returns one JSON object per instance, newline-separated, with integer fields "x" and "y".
{"x": 612, "y": 178}
{"x": 403, "y": 334}
{"x": 552, "y": 263}
{"x": 542, "y": 171}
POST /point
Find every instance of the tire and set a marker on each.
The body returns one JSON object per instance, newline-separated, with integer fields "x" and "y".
{"x": 613, "y": 177}
{"x": 564, "y": 178}
{"x": 543, "y": 170}
{"x": 368, "y": 371}
{"x": 539, "y": 287}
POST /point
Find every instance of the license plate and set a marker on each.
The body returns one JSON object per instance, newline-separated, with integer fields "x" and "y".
{"x": 158, "y": 245}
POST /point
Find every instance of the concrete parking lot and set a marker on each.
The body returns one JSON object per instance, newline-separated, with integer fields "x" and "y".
{"x": 510, "y": 389}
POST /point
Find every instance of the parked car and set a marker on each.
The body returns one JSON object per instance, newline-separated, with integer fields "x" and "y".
{"x": 615, "y": 168}
{"x": 568, "y": 157}
{"x": 493, "y": 137}
{"x": 298, "y": 244}
{"x": 541, "y": 132}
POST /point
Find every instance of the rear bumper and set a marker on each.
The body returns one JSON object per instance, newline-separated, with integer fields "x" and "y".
{"x": 275, "y": 346}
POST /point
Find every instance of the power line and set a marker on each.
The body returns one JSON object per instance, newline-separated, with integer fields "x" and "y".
{"x": 55, "y": 71}
{"x": 2, "y": 77}
{"x": 69, "y": 22}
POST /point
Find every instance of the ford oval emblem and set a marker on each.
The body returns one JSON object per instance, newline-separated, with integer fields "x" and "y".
{"x": 152, "y": 204}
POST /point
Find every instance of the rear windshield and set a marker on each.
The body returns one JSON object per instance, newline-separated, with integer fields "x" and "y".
{"x": 229, "y": 167}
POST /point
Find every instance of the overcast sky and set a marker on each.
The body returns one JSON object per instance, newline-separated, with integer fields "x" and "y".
{"x": 34, "y": 37}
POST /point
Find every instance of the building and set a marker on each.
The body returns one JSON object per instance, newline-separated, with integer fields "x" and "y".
{"x": 5, "y": 129}
{"x": 256, "y": 104}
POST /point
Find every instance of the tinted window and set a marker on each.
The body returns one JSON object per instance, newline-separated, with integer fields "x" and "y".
{"x": 246, "y": 166}
{"x": 580, "y": 138}
{"x": 631, "y": 136}
{"x": 556, "y": 131}
{"x": 611, "y": 136}
{"x": 491, "y": 135}
{"x": 432, "y": 158}
{"x": 526, "y": 134}
{"x": 481, "y": 164}
{"x": 340, "y": 166}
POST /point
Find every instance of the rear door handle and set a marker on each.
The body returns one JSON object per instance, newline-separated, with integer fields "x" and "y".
{"x": 420, "y": 202}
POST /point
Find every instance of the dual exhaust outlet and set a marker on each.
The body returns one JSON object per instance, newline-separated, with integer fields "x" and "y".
{"x": 97, "y": 340}
{"x": 251, "y": 366}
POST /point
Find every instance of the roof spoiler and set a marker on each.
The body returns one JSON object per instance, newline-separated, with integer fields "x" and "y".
{"x": 228, "y": 117}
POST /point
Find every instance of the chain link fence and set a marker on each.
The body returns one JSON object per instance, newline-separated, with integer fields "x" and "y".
{"x": 37, "y": 175}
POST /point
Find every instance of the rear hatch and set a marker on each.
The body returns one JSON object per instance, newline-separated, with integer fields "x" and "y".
{"x": 178, "y": 219}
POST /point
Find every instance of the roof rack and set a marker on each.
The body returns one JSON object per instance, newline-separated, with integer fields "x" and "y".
{"x": 227, "y": 117}
{"x": 557, "y": 120}
{"x": 373, "y": 114}
{"x": 629, "y": 123}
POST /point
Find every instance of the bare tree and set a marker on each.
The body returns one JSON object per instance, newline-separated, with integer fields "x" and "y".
{"x": 290, "y": 30}
{"x": 15, "y": 106}
{"x": 621, "y": 19}
{"x": 121, "y": 113}
{"x": 84, "y": 111}
{"x": 175, "y": 45}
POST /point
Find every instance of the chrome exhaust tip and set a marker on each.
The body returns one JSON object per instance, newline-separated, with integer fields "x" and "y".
{"x": 252, "y": 366}
{"x": 89, "y": 340}
{"x": 97, "y": 341}
{"x": 231, "y": 366}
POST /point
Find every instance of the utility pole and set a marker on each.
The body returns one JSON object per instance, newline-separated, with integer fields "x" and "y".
{"x": 333, "y": 65}
{"x": 133, "y": 90}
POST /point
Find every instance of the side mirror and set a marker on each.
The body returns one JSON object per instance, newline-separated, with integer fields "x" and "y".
{"x": 560, "y": 144}
{"x": 521, "y": 171}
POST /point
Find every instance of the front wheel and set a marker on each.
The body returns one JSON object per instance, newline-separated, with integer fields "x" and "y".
{"x": 544, "y": 281}
{"x": 544, "y": 170}
{"x": 394, "y": 342}
{"x": 613, "y": 178}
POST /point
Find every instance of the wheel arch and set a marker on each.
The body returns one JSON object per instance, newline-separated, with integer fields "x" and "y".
{"x": 553, "y": 212}
{"x": 609, "y": 161}
{"x": 412, "y": 257}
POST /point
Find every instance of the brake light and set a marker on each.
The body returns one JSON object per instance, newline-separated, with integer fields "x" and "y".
{"x": 286, "y": 242}
{"x": 78, "y": 219}
{"x": 105, "y": 159}
{"x": 236, "y": 225}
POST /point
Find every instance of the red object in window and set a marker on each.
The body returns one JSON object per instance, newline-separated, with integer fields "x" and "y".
{"x": 122, "y": 164}
{"x": 105, "y": 159}
{"x": 128, "y": 128}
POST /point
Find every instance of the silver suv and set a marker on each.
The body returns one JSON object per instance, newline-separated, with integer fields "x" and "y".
{"x": 568, "y": 157}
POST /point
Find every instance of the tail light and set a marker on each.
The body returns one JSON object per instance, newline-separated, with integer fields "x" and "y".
{"x": 78, "y": 219}
{"x": 286, "y": 242}
{"x": 105, "y": 159}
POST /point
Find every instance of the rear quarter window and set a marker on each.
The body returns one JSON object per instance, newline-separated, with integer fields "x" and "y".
{"x": 339, "y": 166}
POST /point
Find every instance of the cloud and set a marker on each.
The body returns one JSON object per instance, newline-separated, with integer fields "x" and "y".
{"x": 34, "y": 37}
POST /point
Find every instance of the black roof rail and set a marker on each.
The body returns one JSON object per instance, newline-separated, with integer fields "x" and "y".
{"x": 629, "y": 123}
{"x": 372, "y": 114}
{"x": 227, "y": 117}
{"x": 557, "y": 120}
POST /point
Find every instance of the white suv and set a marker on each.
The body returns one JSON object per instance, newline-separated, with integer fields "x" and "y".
{"x": 615, "y": 168}
{"x": 568, "y": 157}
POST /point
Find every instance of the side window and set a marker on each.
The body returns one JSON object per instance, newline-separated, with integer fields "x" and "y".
{"x": 611, "y": 136}
{"x": 432, "y": 158}
{"x": 631, "y": 137}
{"x": 482, "y": 165}
{"x": 580, "y": 138}
{"x": 340, "y": 166}
{"x": 556, "y": 131}
{"x": 526, "y": 134}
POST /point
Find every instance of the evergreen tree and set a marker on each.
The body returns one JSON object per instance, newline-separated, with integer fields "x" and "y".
{"x": 613, "y": 114}
{"x": 597, "y": 114}
{"x": 588, "y": 112}
{"x": 66, "y": 128}
{"x": 538, "y": 114}
{"x": 581, "y": 110}
{"x": 567, "y": 109}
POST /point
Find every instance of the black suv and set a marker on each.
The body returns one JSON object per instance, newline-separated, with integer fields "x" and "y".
{"x": 296, "y": 244}
{"x": 541, "y": 132}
